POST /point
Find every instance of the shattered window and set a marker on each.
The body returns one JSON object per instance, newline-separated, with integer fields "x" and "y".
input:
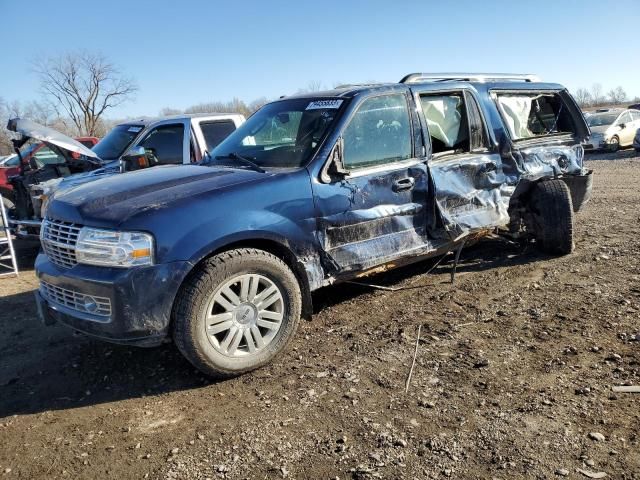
{"x": 530, "y": 115}
{"x": 378, "y": 133}
{"x": 446, "y": 118}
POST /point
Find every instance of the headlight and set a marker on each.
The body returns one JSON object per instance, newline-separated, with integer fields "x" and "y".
{"x": 114, "y": 249}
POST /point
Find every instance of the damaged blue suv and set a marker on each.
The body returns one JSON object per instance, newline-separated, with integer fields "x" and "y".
{"x": 313, "y": 189}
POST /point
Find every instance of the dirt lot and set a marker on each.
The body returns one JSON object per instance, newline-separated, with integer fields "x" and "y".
{"x": 512, "y": 379}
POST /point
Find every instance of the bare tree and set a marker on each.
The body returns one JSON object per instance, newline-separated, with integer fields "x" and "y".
{"x": 85, "y": 85}
{"x": 597, "y": 97}
{"x": 583, "y": 97}
{"x": 617, "y": 95}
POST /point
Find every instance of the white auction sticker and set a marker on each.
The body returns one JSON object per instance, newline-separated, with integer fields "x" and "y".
{"x": 318, "y": 104}
{"x": 134, "y": 129}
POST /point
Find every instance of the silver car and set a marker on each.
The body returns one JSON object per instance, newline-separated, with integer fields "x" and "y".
{"x": 612, "y": 129}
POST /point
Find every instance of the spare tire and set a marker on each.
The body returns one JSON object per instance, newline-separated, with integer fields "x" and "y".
{"x": 552, "y": 211}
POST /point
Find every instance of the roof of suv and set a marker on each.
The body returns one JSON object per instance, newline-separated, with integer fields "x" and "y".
{"x": 181, "y": 116}
{"x": 437, "y": 82}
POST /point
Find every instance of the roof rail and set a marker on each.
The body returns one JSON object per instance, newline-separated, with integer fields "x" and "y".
{"x": 469, "y": 77}
{"x": 354, "y": 85}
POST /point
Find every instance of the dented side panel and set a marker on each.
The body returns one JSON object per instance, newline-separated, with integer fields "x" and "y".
{"x": 365, "y": 220}
{"x": 469, "y": 194}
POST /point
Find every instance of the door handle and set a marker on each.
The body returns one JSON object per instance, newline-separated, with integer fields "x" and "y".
{"x": 404, "y": 184}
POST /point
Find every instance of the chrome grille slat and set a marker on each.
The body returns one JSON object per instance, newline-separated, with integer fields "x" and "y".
{"x": 74, "y": 300}
{"x": 59, "y": 241}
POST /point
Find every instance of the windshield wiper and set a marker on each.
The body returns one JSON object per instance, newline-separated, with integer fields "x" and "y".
{"x": 245, "y": 160}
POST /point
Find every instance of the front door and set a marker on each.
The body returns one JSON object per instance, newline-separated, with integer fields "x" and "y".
{"x": 465, "y": 171}
{"x": 376, "y": 212}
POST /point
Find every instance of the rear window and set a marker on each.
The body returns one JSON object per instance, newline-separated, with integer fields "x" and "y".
{"x": 215, "y": 132}
{"x": 531, "y": 115}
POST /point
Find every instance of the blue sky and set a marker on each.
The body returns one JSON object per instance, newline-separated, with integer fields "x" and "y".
{"x": 191, "y": 51}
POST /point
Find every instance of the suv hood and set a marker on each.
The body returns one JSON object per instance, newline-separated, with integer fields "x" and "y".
{"x": 30, "y": 129}
{"x": 113, "y": 199}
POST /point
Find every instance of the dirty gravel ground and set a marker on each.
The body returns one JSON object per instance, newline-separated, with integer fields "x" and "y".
{"x": 514, "y": 372}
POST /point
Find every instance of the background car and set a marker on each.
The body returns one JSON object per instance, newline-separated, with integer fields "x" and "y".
{"x": 612, "y": 129}
{"x": 636, "y": 141}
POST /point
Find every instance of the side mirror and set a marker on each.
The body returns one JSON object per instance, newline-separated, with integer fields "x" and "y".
{"x": 622, "y": 125}
{"x": 135, "y": 158}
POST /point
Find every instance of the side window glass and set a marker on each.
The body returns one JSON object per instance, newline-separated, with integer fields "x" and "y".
{"x": 446, "y": 118}
{"x": 215, "y": 132}
{"x": 624, "y": 118}
{"x": 46, "y": 156}
{"x": 164, "y": 144}
{"x": 379, "y": 133}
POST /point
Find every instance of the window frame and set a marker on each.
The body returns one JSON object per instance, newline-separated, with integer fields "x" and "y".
{"x": 496, "y": 92}
{"x": 186, "y": 137}
{"x": 364, "y": 170}
{"x": 466, "y": 93}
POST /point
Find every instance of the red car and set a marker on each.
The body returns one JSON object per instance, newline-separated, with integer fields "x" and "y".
{"x": 41, "y": 154}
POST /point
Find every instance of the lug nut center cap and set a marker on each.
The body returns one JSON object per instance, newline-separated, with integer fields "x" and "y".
{"x": 245, "y": 314}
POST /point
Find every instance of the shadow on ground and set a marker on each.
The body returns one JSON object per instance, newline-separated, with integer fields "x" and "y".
{"x": 51, "y": 368}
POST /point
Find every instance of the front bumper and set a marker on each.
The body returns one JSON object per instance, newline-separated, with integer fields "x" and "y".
{"x": 140, "y": 299}
{"x": 594, "y": 144}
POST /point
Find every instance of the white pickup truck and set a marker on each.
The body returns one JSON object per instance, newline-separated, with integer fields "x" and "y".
{"x": 132, "y": 145}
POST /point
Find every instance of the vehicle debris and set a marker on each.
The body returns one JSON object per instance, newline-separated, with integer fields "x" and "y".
{"x": 626, "y": 389}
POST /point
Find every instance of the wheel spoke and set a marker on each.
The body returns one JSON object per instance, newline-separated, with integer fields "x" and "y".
{"x": 220, "y": 317}
{"x": 254, "y": 282}
{"x": 264, "y": 294}
{"x": 219, "y": 327}
{"x": 249, "y": 338}
{"x": 230, "y": 294}
{"x": 227, "y": 340}
{"x": 245, "y": 282}
{"x": 269, "y": 315}
{"x": 226, "y": 304}
{"x": 236, "y": 341}
{"x": 257, "y": 336}
{"x": 267, "y": 324}
{"x": 268, "y": 300}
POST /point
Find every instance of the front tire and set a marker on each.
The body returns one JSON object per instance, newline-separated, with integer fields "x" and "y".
{"x": 237, "y": 312}
{"x": 552, "y": 211}
{"x": 614, "y": 143}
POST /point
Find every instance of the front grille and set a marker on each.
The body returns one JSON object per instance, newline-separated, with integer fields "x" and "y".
{"x": 100, "y": 306}
{"x": 58, "y": 240}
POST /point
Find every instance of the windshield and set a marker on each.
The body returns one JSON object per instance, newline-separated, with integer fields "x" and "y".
{"x": 282, "y": 134}
{"x": 114, "y": 144}
{"x": 601, "y": 120}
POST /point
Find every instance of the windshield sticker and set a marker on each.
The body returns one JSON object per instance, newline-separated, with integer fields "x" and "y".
{"x": 318, "y": 104}
{"x": 134, "y": 129}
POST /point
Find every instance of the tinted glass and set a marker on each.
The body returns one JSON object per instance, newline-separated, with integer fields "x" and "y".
{"x": 164, "y": 144}
{"x": 601, "y": 120}
{"x": 282, "y": 134}
{"x": 447, "y": 122}
{"x": 116, "y": 142}
{"x": 216, "y": 132}
{"x": 378, "y": 133}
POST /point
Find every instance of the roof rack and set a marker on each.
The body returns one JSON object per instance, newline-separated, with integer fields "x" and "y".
{"x": 469, "y": 77}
